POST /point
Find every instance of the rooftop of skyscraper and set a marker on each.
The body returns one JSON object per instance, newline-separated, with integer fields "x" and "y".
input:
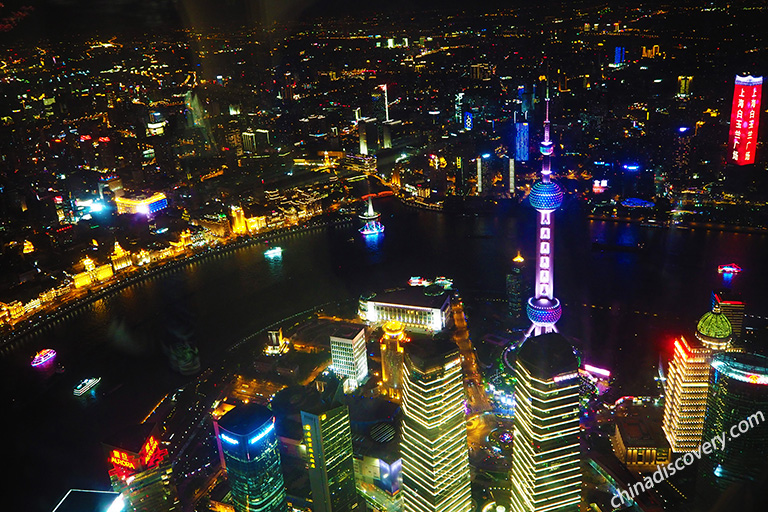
{"x": 427, "y": 353}
{"x": 548, "y": 355}
{"x": 244, "y": 419}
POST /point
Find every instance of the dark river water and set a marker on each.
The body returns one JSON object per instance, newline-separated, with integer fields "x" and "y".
{"x": 623, "y": 307}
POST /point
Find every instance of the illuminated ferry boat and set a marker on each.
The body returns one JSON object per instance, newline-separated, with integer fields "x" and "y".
{"x": 85, "y": 385}
{"x": 43, "y": 357}
{"x": 731, "y": 268}
{"x": 275, "y": 252}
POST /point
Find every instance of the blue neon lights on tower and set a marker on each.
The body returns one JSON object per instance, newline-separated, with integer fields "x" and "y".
{"x": 248, "y": 445}
{"x": 521, "y": 141}
{"x": 546, "y": 196}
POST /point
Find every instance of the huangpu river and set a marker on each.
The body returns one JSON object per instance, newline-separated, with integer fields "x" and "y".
{"x": 622, "y": 306}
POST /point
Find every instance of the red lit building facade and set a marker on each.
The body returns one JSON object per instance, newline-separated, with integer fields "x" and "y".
{"x": 745, "y": 119}
{"x": 140, "y": 471}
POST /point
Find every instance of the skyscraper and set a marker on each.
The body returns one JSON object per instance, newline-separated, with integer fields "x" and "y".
{"x": 544, "y": 309}
{"x": 392, "y": 358}
{"x": 140, "y": 471}
{"x": 737, "y": 400}
{"x": 328, "y": 438}
{"x": 368, "y": 133}
{"x": 349, "y": 358}
{"x": 732, "y": 307}
{"x": 515, "y": 289}
{"x": 546, "y": 457}
{"x": 687, "y": 381}
{"x": 248, "y": 444}
{"x": 434, "y": 431}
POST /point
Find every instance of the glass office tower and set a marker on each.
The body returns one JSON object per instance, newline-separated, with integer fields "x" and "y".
{"x": 328, "y": 438}
{"x": 736, "y": 407}
{"x": 248, "y": 443}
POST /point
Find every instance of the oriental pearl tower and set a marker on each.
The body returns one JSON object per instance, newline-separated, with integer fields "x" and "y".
{"x": 543, "y": 308}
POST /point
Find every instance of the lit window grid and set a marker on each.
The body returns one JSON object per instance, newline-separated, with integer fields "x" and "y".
{"x": 548, "y": 478}
{"x": 434, "y": 444}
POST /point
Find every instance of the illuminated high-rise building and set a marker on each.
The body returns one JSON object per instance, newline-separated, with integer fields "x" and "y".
{"x": 738, "y": 399}
{"x": 328, "y": 438}
{"x": 515, "y": 289}
{"x": 368, "y": 133}
{"x": 248, "y": 446}
{"x": 521, "y": 141}
{"x": 745, "y": 119}
{"x": 686, "y": 387}
{"x": 546, "y": 456}
{"x": 482, "y": 175}
{"x": 684, "y": 86}
{"x": 546, "y": 196}
{"x": 392, "y": 352}
{"x": 349, "y": 358}
{"x": 434, "y": 430}
{"x": 140, "y": 470}
{"x": 733, "y": 308}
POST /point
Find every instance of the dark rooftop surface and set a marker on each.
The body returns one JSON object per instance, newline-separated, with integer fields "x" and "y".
{"x": 244, "y": 419}
{"x": 548, "y": 355}
{"x": 426, "y": 353}
{"x": 413, "y": 296}
{"x": 345, "y": 330}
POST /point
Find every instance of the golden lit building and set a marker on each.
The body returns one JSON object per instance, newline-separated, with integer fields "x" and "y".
{"x": 256, "y": 224}
{"x": 392, "y": 358}
{"x": 688, "y": 381}
{"x": 92, "y": 273}
{"x": 145, "y": 204}
{"x": 239, "y": 224}
{"x": 120, "y": 258}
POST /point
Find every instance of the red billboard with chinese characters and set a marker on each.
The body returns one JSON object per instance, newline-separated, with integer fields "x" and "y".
{"x": 745, "y": 119}
{"x": 127, "y": 460}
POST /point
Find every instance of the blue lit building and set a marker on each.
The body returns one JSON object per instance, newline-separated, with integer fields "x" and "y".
{"x": 248, "y": 446}
{"x": 736, "y": 405}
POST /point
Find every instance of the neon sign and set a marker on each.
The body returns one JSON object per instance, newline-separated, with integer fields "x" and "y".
{"x": 122, "y": 459}
{"x": 258, "y": 437}
{"x": 227, "y": 439}
{"x": 149, "y": 449}
{"x": 745, "y": 119}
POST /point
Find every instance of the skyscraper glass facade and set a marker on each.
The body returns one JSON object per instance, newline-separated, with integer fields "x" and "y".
{"x": 737, "y": 402}
{"x": 247, "y": 439}
{"x": 328, "y": 439}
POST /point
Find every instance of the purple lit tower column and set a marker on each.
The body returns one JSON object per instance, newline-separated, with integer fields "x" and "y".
{"x": 546, "y": 196}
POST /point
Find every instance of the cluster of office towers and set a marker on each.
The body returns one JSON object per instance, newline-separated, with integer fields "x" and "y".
{"x": 713, "y": 384}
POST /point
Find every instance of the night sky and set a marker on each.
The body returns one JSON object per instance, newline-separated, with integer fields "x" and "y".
{"x": 54, "y": 19}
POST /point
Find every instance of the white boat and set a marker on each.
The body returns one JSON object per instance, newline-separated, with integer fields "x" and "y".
{"x": 85, "y": 385}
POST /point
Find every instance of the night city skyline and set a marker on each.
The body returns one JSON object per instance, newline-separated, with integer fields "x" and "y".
{"x": 300, "y": 256}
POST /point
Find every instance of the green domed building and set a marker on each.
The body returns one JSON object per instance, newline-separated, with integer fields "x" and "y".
{"x": 714, "y": 330}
